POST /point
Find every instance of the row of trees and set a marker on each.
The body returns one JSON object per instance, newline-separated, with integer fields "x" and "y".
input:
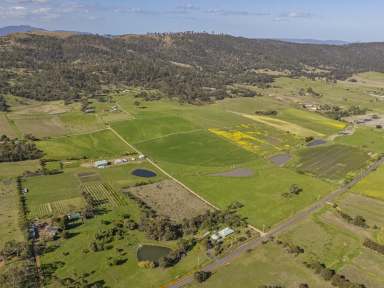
{"x": 357, "y": 220}
{"x": 18, "y": 150}
{"x": 337, "y": 112}
{"x": 328, "y": 274}
{"x": 379, "y": 248}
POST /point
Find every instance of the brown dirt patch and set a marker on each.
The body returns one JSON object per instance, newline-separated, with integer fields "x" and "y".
{"x": 170, "y": 199}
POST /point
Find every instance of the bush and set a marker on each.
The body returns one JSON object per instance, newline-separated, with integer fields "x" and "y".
{"x": 201, "y": 276}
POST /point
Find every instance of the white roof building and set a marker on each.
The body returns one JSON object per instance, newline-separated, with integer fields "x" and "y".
{"x": 225, "y": 232}
{"x": 101, "y": 163}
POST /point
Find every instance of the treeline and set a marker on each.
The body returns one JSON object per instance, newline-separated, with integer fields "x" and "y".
{"x": 3, "y": 104}
{"x": 337, "y": 112}
{"x": 192, "y": 67}
{"x": 12, "y": 150}
{"x": 328, "y": 274}
{"x": 379, "y": 248}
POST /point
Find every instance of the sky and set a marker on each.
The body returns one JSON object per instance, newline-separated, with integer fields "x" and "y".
{"x": 349, "y": 20}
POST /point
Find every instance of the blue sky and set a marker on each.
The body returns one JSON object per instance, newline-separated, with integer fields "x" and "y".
{"x": 350, "y": 20}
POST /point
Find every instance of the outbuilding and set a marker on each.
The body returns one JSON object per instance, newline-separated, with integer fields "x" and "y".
{"x": 101, "y": 164}
{"x": 225, "y": 232}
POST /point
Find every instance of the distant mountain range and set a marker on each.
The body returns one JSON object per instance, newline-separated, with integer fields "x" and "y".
{"x": 26, "y": 28}
{"x": 315, "y": 41}
{"x": 20, "y": 28}
{"x": 5, "y": 31}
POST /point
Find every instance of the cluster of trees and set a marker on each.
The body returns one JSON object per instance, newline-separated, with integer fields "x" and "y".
{"x": 337, "y": 112}
{"x": 18, "y": 150}
{"x": 310, "y": 92}
{"x": 374, "y": 246}
{"x": 328, "y": 274}
{"x": 173, "y": 257}
{"x": 118, "y": 230}
{"x": 290, "y": 248}
{"x": 294, "y": 190}
{"x": 357, "y": 220}
{"x": 3, "y": 104}
{"x": 19, "y": 274}
{"x": 202, "y": 276}
{"x": 192, "y": 67}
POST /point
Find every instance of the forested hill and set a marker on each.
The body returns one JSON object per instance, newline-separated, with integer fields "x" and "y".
{"x": 193, "y": 67}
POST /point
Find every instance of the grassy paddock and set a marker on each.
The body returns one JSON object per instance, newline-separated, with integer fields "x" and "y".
{"x": 372, "y": 186}
{"x": 9, "y": 212}
{"x": 366, "y": 138}
{"x": 139, "y": 130}
{"x": 95, "y": 145}
{"x": 267, "y": 265}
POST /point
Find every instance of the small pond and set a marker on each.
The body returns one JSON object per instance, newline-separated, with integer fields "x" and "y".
{"x": 152, "y": 253}
{"x": 316, "y": 142}
{"x": 280, "y": 159}
{"x": 144, "y": 173}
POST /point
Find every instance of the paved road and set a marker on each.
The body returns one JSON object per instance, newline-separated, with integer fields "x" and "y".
{"x": 284, "y": 226}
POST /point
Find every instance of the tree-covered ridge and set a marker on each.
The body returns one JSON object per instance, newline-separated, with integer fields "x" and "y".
{"x": 12, "y": 150}
{"x": 192, "y": 67}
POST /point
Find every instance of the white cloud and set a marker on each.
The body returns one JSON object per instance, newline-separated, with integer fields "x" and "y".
{"x": 222, "y": 12}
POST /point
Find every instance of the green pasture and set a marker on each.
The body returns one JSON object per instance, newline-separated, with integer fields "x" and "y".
{"x": 366, "y": 138}
{"x": 371, "y": 209}
{"x": 261, "y": 193}
{"x": 267, "y": 265}
{"x": 95, "y": 145}
{"x": 14, "y": 169}
{"x": 310, "y": 120}
{"x": 9, "y": 212}
{"x": 45, "y": 189}
{"x": 372, "y": 185}
{"x": 324, "y": 242}
{"x": 199, "y": 148}
{"x": 145, "y": 129}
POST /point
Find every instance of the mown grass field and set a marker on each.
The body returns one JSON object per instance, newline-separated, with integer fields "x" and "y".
{"x": 95, "y": 145}
{"x": 198, "y": 148}
{"x": 53, "y": 195}
{"x": 140, "y": 130}
{"x": 261, "y": 194}
{"x": 331, "y": 161}
{"x": 372, "y": 186}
